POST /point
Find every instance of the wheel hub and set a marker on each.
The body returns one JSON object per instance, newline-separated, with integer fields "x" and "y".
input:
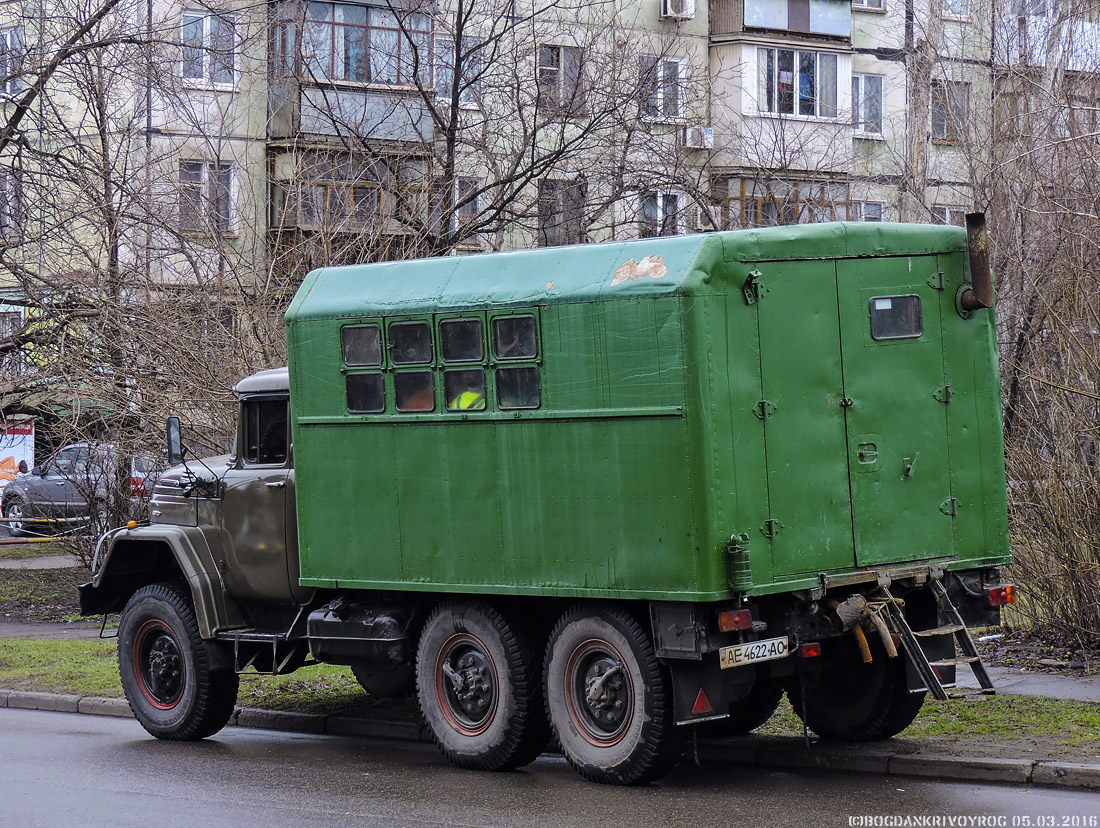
{"x": 468, "y": 684}
{"x": 160, "y": 666}
{"x": 601, "y": 695}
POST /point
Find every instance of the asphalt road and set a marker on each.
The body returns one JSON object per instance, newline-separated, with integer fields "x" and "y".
{"x": 62, "y": 770}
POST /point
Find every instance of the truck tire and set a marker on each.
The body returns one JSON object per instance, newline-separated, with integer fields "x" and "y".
{"x": 856, "y": 702}
{"x": 163, "y": 664}
{"x": 748, "y": 713}
{"x": 386, "y": 681}
{"x": 479, "y": 685}
{"x": 608, "y": 698}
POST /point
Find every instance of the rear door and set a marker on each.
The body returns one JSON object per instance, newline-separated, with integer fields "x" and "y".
{"x": 897, "y": 417}
{"x": 802, "y": 409}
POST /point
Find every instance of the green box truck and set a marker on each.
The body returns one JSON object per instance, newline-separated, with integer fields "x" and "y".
{"x": 603, "y": 492}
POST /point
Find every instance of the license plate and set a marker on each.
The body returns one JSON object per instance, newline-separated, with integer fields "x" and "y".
{"x": 766, "y": 650}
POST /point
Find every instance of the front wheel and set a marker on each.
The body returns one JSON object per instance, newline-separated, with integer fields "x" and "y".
{"x": 163, "y": 664}
{"x": 608, "y": 697}
{"x": 16, "y": 517}
{"x": 480, "y": 692}
{"x": 853, "y": 701}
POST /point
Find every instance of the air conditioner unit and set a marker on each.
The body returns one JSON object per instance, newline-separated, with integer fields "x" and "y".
{"x": 677, "y": 9}
{"x": 702, "y": 220}
{"x": 698, "y": 137}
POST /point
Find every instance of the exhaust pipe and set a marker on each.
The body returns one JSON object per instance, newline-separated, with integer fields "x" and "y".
{"x": 980, "y": 293}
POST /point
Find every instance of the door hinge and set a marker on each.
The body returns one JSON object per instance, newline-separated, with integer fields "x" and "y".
{"x": 764, "y": 409}
{"x": 771, "y": 528}
{"x": 752, "y": 289}
{"x": 942, "y": 394}
{"x": 950, "y": 507}
{"x": 935, "y": 281}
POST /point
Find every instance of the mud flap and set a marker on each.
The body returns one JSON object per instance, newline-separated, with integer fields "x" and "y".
{"x": 703, "y": 691}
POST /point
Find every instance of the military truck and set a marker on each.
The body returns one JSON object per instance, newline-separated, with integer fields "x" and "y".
{"x": 608, "y": 492}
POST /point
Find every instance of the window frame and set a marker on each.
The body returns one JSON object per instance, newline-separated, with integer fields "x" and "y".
{"x": 768, "y": 72}
{"x": 948, "y": 14}
{"x": 561, "y": 213}
{"x": 472, "y": 68}
{"x": 497, "y": 363}
{"x": 242, "y": 446}
{"x": 954, "y": 121}
{"x": 11, "y": 204}
{"x": 660, "y": 220}
{"x": 860, "y": 207}
{"x": 209, "y": 50}
{"x": 869, "y": 5}
{"x": 653, "y": 92}
{"x": 12, "y": 52}
{"x": 949, "y": 211}
{"x": 861, "y": 126}
{"x": 556, "y": 91}
{"x": 205, "y": 199}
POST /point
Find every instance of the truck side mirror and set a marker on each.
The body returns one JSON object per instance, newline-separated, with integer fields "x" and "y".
{"x": 175, "y": 442}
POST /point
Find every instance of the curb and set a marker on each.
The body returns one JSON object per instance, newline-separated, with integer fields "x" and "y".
{"x": 778, "y": 753}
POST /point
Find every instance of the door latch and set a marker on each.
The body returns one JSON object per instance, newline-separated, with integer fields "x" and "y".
{"x": 942, "y": 394}
{"x": 752, "y": 289}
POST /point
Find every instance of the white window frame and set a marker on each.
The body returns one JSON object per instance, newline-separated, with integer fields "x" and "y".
{"x": 869, "y": 5}
{"x": 859, "y": 210}
{"x": 657, "y": 94}
{"x": 945, "y": 213}
{"x": 207, "y": 49}
{"x": 207, "y": 223}
{"x": 659, "y": 196}
{"x": 11, "y": 59}
{"x": 860, "y": 126}
{"x": 954, "y": 122}
{"x": 11, "y": 204}
{"x": 952, "y": 14}
{"x": 766, "y": 85}
{"x": 563, "y": 97}
{"x": 469, "y": 93}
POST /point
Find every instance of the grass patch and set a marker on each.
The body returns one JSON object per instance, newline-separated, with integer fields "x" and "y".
{"x": 35, "y": 549}
{"x": 90, "y": 668}
{"x": 40, "y": 594}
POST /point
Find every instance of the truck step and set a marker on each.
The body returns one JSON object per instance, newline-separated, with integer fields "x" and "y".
{"x": 954, "y": 662}
{"x": 950, "y": 629}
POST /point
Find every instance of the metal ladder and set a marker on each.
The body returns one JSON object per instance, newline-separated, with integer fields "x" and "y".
{"x": 925, "y": 668}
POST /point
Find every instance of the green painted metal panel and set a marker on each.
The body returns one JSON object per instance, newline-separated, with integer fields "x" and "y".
{"x": 897, "y": 420}
{"x": 803, "y": 419}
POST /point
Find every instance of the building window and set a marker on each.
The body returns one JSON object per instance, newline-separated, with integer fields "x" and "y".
{"x": 11, "y": 204}
{"x": 868, "y": 210}
{"x": 207, "y": 47}
{"x": 662, "y": 88}
{"x": 559, "y": 77}
{"x": 942, "y": 214}
{"x": 660, "y": 214}
{"x": 751, "y": 203}
{"x": 950, "y": 104}
{"x": 955, "y": 8}
{"x": 561, "y": 212}
{"x": 859, "y": 5}
{"x": 11, "y": 61}
{"x": 470, "y": 69}
{"x": 362, "y": 44}
{"x": 825, "y": 17}
{"x": 339, "y": 192}
{"x": 797, "y": 83}
{"x": 205, "y": 196}
{"x": 867, "y": 104}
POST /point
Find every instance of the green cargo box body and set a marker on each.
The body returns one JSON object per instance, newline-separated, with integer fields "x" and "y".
{"x": 691, "y": 438}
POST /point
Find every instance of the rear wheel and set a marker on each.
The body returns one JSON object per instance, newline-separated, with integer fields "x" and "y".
{"x": 853, "y": 701}
{"x": 608, "y": 698}
{"x": 479, "y": 686}
{"x": 386, "y": 681}
{"x": 163, "y": 664}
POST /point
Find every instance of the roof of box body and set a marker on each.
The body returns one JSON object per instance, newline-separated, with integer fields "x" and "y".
{"x": 595, "y": 272}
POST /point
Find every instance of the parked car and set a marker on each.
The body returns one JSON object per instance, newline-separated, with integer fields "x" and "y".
{"x": 71, "y": 488}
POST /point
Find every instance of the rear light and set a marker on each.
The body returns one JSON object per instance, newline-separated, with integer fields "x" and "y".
{"x": 811, "y": 649}
{"x": 137, "y": 487}
{"x": 732, "y": 620}
{"x": 1001, "y": 595}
